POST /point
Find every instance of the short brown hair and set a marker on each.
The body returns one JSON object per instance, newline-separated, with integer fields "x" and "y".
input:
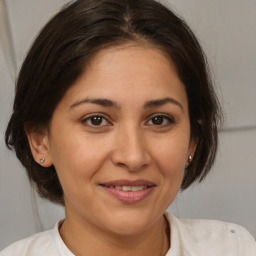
{"x": 65, "y": 45}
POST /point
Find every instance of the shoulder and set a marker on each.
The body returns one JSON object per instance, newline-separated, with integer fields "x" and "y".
{"x": 38, "y": 244}
{"x": 213, "y": 237}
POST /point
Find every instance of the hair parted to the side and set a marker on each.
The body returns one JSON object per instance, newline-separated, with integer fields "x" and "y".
{"x": 66, "y": 44}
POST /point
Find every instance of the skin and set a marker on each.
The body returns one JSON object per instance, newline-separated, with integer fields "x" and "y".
{"x": 126, "y": 143}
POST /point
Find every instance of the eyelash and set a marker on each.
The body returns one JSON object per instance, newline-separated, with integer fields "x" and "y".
{"x": 169, "y": 119}
{"x": 89, "y": 118}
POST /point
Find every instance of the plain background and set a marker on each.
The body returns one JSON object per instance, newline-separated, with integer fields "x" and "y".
{"x": 226, "y": 29}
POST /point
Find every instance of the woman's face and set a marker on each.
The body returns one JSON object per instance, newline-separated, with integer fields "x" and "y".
{"x": 120, "y": 140}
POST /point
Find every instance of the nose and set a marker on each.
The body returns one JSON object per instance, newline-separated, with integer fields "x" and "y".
{"x": 130, "y": 150}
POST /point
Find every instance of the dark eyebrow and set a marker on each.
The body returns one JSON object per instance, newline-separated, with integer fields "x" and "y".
{"x": 98, "y": 101}
{"x": 161, "y": 102}
{"x": 109, "y": 103}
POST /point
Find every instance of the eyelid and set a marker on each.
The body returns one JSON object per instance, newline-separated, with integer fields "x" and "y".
{"x": 170, "y": 118}
{"x": 87, "y": 117}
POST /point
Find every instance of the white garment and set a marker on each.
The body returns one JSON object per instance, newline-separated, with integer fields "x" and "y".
{"x": 189, "y": 237}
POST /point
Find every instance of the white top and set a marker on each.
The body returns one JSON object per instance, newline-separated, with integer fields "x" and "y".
{"x": 189, "y": 237}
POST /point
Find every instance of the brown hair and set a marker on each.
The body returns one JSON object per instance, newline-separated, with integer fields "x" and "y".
{"x": 65, "y": 45}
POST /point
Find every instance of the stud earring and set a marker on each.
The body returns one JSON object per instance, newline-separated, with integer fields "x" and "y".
{"x": 41, "y": 160}
{"x": 190, "y": 158}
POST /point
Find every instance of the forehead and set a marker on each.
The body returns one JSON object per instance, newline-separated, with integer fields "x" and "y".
{"x": 130, "y": 71}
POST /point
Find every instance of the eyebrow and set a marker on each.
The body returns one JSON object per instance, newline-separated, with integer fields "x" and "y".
{"x": 109, "y": 103}
{"x": 98, "y": 101}
{"x": 161, "y": 102}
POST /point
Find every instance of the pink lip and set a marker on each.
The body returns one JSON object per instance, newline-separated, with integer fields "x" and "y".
{"x": 128, "y": 196}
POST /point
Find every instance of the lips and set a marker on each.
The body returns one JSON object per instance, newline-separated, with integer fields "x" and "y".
{"x": 128, "y": 191}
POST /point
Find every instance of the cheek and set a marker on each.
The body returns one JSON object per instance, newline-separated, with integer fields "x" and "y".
{"x": 171, "y": 157}
{"x": 76, "y": 157}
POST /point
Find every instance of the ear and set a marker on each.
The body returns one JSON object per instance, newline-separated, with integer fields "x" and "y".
{"x": 39, "y": 146}
{"x": 191, "y": 150}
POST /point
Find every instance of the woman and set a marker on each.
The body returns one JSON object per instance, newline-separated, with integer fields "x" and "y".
{"x": 114, "y": 113}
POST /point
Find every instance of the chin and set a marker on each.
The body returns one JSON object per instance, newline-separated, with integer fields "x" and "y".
{"x": 128, "y": 224}
{"x": 128, "y": 229}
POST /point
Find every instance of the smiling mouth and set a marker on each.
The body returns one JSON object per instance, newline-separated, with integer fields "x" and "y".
{"x": 129, "y": 191}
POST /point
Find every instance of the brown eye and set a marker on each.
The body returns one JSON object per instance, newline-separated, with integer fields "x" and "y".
{"x": 95, "y": 121}
{"x": 157, "y": 120}
{"x": 160, "y": 120}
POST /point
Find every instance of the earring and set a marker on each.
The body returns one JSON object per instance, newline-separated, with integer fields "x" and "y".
{"x": 190, "y": 158}
{"x": 41, "y": 160}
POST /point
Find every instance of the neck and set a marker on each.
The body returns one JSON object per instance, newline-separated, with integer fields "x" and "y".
{"x": 87, "y": 240}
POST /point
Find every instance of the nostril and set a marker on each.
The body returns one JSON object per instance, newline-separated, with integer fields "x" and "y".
{"x": 131, "y": 153}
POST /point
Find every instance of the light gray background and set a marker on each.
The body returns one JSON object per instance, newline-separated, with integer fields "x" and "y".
{"x": 227, "y": 31}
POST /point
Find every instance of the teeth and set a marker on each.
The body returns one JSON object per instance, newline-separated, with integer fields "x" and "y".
{"x": 126, "y": 188}
{"x": 138, "y": 188}
{"x": 130, "y": 188}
